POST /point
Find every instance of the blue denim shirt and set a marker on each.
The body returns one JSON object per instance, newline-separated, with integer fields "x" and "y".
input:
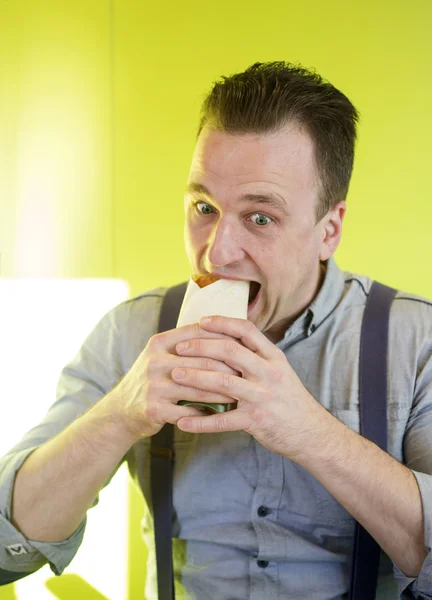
{"x": 248, "y": 523}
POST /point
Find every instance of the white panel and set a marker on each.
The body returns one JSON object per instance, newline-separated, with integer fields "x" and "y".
{"x": 43, "y": 322}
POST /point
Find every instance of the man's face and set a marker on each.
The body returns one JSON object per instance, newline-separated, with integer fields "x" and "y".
{"x": 274, "y": 241}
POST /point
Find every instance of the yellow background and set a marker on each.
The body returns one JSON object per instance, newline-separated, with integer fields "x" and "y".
{"x": 99, "y": 106}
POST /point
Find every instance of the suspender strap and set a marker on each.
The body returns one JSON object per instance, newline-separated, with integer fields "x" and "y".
{"x": 161, "y": 471}
{"x": 373, "y": 424}
{"x": 161, "y": 467}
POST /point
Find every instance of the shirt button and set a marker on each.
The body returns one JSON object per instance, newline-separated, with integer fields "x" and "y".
{"x": 313, "y": 327}
{"x": 263, "y": 511}
{"x": 263, "y": 563}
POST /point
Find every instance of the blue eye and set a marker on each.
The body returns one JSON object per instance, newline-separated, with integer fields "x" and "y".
{"x": 206, "y": 211}
{"x": 261, "y": 220}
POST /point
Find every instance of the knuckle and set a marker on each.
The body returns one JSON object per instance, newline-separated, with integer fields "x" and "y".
{"x": 199, "y": 333}
{"x": 202, "y": 394}
{"x": 156, "y": 341}
{"x": 153, "y": 388}
{"x": 226, "y": 380}
{"x": 249, "y": 326}
{"x": 149, "y": 387}
{"x": 153, "y": 412}
{"x": 153, "y": 366}
{"x": 230, "y": 346}
{"x": 258, "y": 414}
{"x": 221, "y": 422}
{"x": 200, "y": 426}
{"x": 192, "y": 376}
{"x": 206, "y": 364}
{"x": 196, "y": 330}
{"x": 195, "y": 344}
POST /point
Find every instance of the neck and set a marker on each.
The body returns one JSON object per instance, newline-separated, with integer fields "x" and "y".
{"x": 276, "y": 333}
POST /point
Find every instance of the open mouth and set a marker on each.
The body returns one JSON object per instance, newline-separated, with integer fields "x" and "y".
{"x": 254, "y": 289}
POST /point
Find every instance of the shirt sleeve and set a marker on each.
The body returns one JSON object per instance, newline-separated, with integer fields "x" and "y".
{"x": 418, "y": 458}
{"x": 94, "y": 371}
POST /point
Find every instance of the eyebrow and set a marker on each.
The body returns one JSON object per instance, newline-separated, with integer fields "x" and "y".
{"x": 271, "y": 200}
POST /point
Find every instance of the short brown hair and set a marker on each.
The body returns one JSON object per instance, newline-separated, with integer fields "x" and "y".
{"x": 268, "y": 96}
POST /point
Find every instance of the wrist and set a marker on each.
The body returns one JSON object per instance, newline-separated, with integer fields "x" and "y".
{"x": 323, "y": 440}
{"x": 109, "y": 418}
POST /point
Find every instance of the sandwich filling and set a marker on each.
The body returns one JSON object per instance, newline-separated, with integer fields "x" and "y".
{"x": 204, "y": 280}
{"x": 207, "y": 279}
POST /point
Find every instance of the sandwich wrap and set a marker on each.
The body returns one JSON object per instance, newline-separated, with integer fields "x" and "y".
{"x": 205, "y": 296}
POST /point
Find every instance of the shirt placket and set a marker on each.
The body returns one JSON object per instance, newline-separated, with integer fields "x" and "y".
{"x": 264, "y": 566}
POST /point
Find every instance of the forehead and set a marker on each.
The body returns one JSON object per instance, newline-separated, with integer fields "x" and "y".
{"x": 284, "y": 159}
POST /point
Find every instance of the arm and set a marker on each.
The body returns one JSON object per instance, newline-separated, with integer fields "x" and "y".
{"x": 377, "y": 490}
{"x": 87, "y": 451}
{"x": 83, "y": 383}
{"x": 58, "y": 482}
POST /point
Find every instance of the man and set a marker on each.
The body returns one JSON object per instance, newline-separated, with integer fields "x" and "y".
{"x": 265, "y": 496}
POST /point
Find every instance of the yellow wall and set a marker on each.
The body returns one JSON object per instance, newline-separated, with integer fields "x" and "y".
{"x": 101, "y": 108}
{"x": 378, "y": 53}
{"x": 55, "y": 138}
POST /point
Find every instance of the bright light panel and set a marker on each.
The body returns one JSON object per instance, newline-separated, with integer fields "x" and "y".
{"x": 43, "y": 323}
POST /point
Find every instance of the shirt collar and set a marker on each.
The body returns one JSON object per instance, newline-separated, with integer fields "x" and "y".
{"x": 321, "y": 306}
{"x": 328, "y": 297}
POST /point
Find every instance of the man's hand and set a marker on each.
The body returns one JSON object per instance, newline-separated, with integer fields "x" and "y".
{"x": 146, "y": 397}
{"x": 273, "y": 405}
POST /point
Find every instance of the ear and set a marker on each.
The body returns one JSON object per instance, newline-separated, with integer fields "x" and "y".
{"x": 331, "y": 230}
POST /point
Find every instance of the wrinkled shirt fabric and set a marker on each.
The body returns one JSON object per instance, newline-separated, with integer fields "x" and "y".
{"x": 250, "y": 524}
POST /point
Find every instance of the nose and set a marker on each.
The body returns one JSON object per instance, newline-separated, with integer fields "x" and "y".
{"x": 224, "y": 245}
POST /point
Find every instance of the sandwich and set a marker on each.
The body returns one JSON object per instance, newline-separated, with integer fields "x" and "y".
{"x": 208, "y": 295}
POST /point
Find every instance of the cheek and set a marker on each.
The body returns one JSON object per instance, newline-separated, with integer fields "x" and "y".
{"x": 190, "y": 232}
{"x": 289, "y": 255}
{"x": 194, "y": 239}
{"x": 188, "y": 240}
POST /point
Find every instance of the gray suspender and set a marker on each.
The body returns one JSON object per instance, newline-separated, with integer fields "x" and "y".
{"x": 373, "y": 425}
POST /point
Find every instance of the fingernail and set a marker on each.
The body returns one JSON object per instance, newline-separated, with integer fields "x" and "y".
{"x": 182, "y": 346}
{"x": 179, "y": 373}
{"x": 205, "y": 320}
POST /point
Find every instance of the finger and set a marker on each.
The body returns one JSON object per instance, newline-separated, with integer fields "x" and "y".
{"x": 165, "y": 390}
{"x": 224, "y": 384}
{"x": 173, "y": 412}
{"x": 161, "y": 365}
{"x": 167, "y": 340}
{"x": 243, "y": 330}
{"x": 201, "y": 395}
{"x": 230, "y": 351}
{"x": 203, "y": 363}
{"x": 234, "y": 420}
